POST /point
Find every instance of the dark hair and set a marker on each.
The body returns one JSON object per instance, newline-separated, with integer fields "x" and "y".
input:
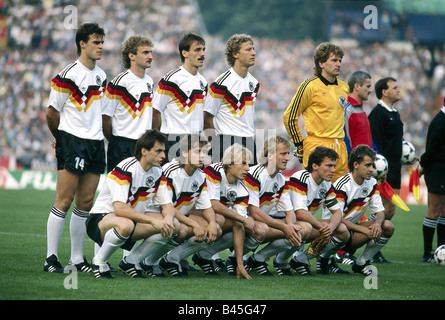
{"x": 147, "y": 140}
{"x": 381, "y": 85}
{"x": 359, "y": 153}
{"x": 187, "y": 142}
{"x": 318, "y": 155}
{"x": 187, "y": 41}
{"x": 84, "y": 32}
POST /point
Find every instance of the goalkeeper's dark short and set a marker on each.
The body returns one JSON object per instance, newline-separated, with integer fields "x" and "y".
{"x": 79, "y": 155}
{"x": 93, "y": 231}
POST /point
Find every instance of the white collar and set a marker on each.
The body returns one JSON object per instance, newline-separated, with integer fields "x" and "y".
{"x": 386, "y": 107}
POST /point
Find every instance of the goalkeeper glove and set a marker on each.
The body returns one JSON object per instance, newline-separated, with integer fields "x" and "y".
{"x": 299, "y": 153}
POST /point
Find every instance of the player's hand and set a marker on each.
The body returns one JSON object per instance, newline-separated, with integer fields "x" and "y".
{"x": 165, "y": 227}
{"x": 53, "y": 143}
{"x": 292, "y": 233}
{"x": 199, "y": 233}
{"x": 376, "y": 231}
{"x": 241, "y": 272}
{"x": 249, "y": 224}
{"x": 211, "y": 232}
{"x": 299, "y": 153}
{"x": 325, "y": 229}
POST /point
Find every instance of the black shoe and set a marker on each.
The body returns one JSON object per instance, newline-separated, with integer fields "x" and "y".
{"x": 152, "y": 271}
{"x": 429, "y": 258}
{"x": 83, "y": 266}
{"x": 301, "y": 268}
{"x": 205, "y": 265}
{"x": 173, "y": 269}
{"x": 379, "y": 258}
{"x": 258, "y": 267}
{"x": 52, "y": 264}
{"x": 362, "y": 269}
{"x": 219, "y": 265}
{"x": 328, "y": 266}
{"x": 231, "y": 266}
{"x": 344, "y": 258}
{"x": 283, "y": 269}
{"x": 130, "y": 269}
{"x": 101, "y": 272}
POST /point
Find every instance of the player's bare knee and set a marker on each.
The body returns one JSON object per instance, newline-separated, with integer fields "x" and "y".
{"x": 261, "y": 230}
{"x": 388, "y": 229}
{"x": 125, "y": 227}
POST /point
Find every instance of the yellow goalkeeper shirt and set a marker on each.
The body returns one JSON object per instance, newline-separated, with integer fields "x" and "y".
{"x": 322, "y": 106}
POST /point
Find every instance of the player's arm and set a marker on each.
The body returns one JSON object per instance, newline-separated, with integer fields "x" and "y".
{"x": 198, "y": 231}
{"x": 122, "y": 210}
{"x": 221, "y": 209}
{"x": 212, "y": 227}
{"x": 299, "y": 103}
{"x": 208, "y": 120}
{"x": 238, "y": 245}
{"x": 156, "y": 119}
{"x": 106, "y": 126}
{"x": 53, "y": 120}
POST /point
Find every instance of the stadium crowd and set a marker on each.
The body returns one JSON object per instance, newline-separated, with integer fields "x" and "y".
{"x": 39, "y": 43}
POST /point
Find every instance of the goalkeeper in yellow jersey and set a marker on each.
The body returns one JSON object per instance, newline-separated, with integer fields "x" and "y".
{"x": 320, "y": 101}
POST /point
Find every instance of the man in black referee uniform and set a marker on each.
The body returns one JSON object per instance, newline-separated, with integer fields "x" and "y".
{"x": 387, "y": 134}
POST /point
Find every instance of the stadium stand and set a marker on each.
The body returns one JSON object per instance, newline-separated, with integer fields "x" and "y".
{"x": 38, "y": 44}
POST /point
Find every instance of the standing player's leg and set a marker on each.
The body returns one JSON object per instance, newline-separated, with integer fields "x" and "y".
{"x": 66, "y": 188}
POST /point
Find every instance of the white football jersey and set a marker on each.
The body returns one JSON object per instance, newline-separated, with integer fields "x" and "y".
{"x": 269, "y": 194}
{"x": 128, "y": 101}
{"x": 231, "y": 101}
{"x": 76, "y": 94}
{"x": 186, "y": 191}
{"x": 234, "y": 196}
{"x": 306, "y": 194}
{"x": 180, "y": 98}
{"x": 354, "y": 199}
{"x": 129, "y": 183}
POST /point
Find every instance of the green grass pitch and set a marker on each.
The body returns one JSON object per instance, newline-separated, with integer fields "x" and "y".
{"x": 23, "y": 216}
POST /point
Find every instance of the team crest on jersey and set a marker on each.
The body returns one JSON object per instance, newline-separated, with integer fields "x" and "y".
{"x": 231, "y": 196}
{"x": 322, "y": 193}
{"x": 275, "y": 187}
{"x": 149, "y": 88}
{"x": 342, "y": 101}
{"x": 98, "y": 81}
{"x": 251, "y": 86}
{"x": 195, "y": 186}
{"x": 364, "y": 192}
{"x": 150, "y": 182}
{"x": 201, "y": 84}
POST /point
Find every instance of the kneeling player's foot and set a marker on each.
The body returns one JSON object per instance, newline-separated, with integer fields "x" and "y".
{"x": 152, "y": 271}
{"x": 204, "y": 264}
{"x": 173, "y": 269}
{"x": 328, "y": 266}
{"x": 101, "y": 271}
{"x": 364, "y": 269}
{"x": 379, "y": 258}
{"x": 344, "y": 258}
{"x": 231, "y": 266}
{"x": 258, "y": 267}
{"x": 219, "y": 265}
{"x": 52, "y": 264}
{"x": 130, "y": 269}
{"x": 83, "y": 266}
{"x": 301, "y": 268}
{"x": 283, "y": 269}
